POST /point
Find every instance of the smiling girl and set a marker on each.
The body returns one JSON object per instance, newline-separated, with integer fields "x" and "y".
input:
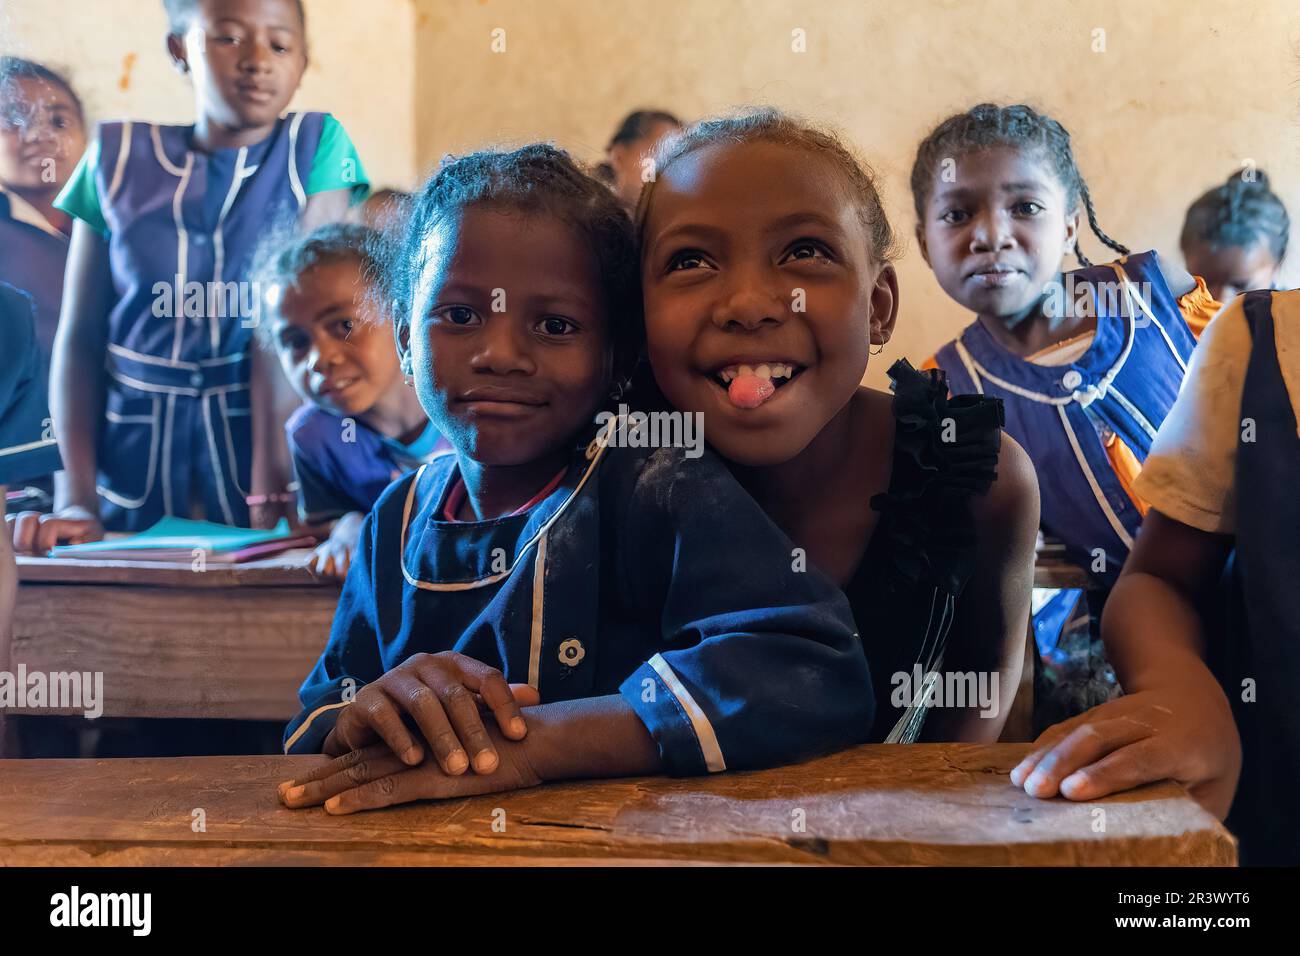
{"x": 765, "y": 260}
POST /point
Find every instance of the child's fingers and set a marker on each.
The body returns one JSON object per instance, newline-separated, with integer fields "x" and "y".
{"x": 1048, "y": 739}
{"x": 26, "y": 524}
{"x": 497, "y": 695}
{"x": 1147, "y": 761}
{"x": 422, "y": 703}
{"x": 380, "y": 713}
{"x": 462, "y": 710}
{"x": 1087, "y": 743}
{"x": 526, "y": 695}
{"x": 355, "y": 774}
{"x": 330, "y": 767}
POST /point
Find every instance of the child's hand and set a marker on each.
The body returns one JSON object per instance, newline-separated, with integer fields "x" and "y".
{"x": 36, "y": 533}
{"x": 333, "y": 557}
{"x": 437, "y": 691}
{"x": 1140, "y": 738}
{"x": 372, "y": 778}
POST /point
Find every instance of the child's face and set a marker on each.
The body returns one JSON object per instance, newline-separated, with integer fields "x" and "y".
{"x": 1229, "y": 271}
{"x": 508, "y": 339}
{"x": 246, "y": 58}
{"x": 627, "y": 161}
{"x": 41, "y": 135}
{"x": 756, "y": 254}
{"x": 334, "y": 346}
{"x": 996, "y": 228}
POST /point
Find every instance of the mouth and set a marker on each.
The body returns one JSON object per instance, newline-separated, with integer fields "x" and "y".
{"x": 753, "y": 382}
{"x": 994, "y": 274}
{"x": 254, "y": 93}
{"x": 337, "y": 386}
{"x": 500, "y": 402}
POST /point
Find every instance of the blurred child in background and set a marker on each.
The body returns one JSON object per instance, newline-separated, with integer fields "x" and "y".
{"x": 1235, "y": 236}
{"x": 361, "y": 425}
{"x": 630, "y": 147}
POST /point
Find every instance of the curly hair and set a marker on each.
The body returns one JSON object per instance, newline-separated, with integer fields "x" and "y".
{"x": 1020, "y": 127}
{"x": 538, "y": 179}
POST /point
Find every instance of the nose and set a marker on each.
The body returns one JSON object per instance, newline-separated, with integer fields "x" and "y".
{"x": 990, "y": 232}
{"x": 323, "y": 356}
{"x": 750, "y": 301}
{"x": 503, "y": 348}
{"x": 256, "y": 58}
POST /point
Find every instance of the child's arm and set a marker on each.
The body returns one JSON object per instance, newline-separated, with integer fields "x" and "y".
{"x": 272, "y": 402}
{"x": 77, "y": 386}
{"x": 333, "y": 556}
{"x": 993, "y": 612}
{"x": 324, "y": 208}
{"x": 1174, "y": 720}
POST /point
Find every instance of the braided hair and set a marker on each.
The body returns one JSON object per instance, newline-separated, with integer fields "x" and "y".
{"x": 1240, "y": 213}
{"x": 1021, "y": 127}
{"x": 538, "y": 179}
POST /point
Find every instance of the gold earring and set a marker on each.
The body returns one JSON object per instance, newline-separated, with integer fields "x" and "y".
{"x": 876, "y": 351}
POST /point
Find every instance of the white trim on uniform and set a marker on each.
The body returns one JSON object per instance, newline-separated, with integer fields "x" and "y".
{"x": 1116, "y": 525}
{"x": 29, "y": 446}
{"x": 295, "y": 183}
{"x": 704, "y": 734}
{"x": 971, "y": 368}
{"x": 1132, "y": 409}
{"x": 215, "y": 461}
{"x": 182, "y": 247}
{"x": 123, "y": 151}
{"x": 539, "y": 599}
{"x": 219, "y": 249}
{"x": 302, "y": 728}
{"x": 150, "y": 475}
{"x": 230, "y": 441}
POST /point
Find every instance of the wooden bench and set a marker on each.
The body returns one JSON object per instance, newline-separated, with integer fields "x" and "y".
{"x": 940, "y": 804}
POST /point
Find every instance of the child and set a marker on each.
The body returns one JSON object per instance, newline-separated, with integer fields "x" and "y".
{"x": 765, "y": 259}
{"x": 1221, "y": 475}
{"x": 26, "y": 447}
{"x": 42, "y": 135}
{"x": 167, "y": 216}
{"x": 1236, "y": 236}
{"x": 633, "y": 142}
{"x": 361, "y": 426}
{"x": 638, "y": 591}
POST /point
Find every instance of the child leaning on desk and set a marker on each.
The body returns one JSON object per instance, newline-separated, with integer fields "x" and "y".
{"x": 361, "y": 425}
{"x": 639, "y": 592}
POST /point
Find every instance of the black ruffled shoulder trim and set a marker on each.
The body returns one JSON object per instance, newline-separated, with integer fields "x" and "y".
{"x": 945, "y": 453}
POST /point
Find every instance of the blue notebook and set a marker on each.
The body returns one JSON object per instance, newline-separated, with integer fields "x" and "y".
{"x": 172, "y": 537}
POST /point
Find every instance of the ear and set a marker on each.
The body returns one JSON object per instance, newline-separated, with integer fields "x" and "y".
{"x": 884, "y": 306}
{"x": 176, "y": 50}
{"x": 402, "y": 335}
{"x": 1071, "y": 231}
{"x": 920, "y": 241}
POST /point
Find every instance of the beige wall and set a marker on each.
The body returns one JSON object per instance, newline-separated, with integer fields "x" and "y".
{"x": 113, "y": 51}
{"x": 1185, "y": 91}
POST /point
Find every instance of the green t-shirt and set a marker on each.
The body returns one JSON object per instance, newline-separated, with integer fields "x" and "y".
{"x": 336, "y": 165}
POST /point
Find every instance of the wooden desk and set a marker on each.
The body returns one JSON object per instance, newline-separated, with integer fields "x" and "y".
{"x": 230, "y": 642}
{"x": 895, "y": 805}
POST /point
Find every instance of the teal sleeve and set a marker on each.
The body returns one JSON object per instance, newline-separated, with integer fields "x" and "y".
{"x": 79, "y": 197}
{"x": 337, "y": 165}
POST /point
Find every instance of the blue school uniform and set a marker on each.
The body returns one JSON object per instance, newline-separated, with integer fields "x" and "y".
{"x": 343, "y": 465}
{"x": 1125, "y": 384}
{"x": 1264, "y": 639}
{"x": 645, "y": 574}
{"x": 27, "y": 445}
{"x": 181, "y": 226}
{"x": 33, "y": 259}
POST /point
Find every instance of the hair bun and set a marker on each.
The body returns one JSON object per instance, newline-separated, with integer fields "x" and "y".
{"x": 1258, "y": 180}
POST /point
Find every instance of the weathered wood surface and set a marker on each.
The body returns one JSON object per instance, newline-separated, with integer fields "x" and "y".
{"x": 891, "y": 805}
{"x": 286, "y": 569}
{"x": 168, "y": 651}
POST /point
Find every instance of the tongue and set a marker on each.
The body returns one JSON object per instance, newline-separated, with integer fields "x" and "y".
{"x": 750, "y": 391}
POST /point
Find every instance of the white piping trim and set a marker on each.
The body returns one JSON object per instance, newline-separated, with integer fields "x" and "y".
{"x": 302, "y": 728}
{"x": 123, "y": 151}
{"x": 215, "y": 462}
{"x": 113, "y": 416}
{"x": 30, "y": 446}
{"x": 162, "y": 157}
{"x": 539, "y": 597}
{"x": 1132, "y": 409}
{"x": 174, "y": 389}
{"x": 168, "y": 424}
{"x": 182, "y": 247}
{"x": 969, "y": 362}
{"x": 1116, "y": 525}
{"x": 226, "y": 413}
{"x": 133, "y": 503}
{"x": 600, "y": 442}
{"x": 704, "y": 734}
{"x": 172, "y": 363}
{"x": 1133, "y": 295}
{"x": 295, "y": 183}
{"x": 219, "y": 250}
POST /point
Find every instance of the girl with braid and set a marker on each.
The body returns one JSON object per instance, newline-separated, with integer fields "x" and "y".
{"x": 1087, "y": 362}
{"x": 1235, "y": 236}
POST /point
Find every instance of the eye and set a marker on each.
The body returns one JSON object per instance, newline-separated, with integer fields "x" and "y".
{"x": 954, "y": 217}
{"x": 226, "y": 40}
{"x": 458, "y": 315}
{"x": 686, "y": 260}
{"x": 279, "y": 49}
{"x": 293, "y": 341}
{"x": 556, "y": 325}
{"x": 1027, "y": 208}
{"x": 343, "y": 328}
{"x": 808, "y": 249}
